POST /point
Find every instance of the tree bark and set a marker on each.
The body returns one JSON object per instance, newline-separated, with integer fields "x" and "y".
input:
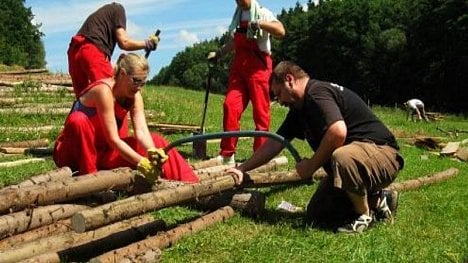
{"x": 139, "y": 204}
{"x": 66, "y": 190}
{"x": 83, "y": 246}
{"x": 414, "y": 184}
{"x": 58, "y": 174}
{"x": 28, "y": 219}
{"x": 26, "y": 144}
{"x": 249, "y": 203}
{"x": 58, "y": 227}
{"x": 168, "y": 238}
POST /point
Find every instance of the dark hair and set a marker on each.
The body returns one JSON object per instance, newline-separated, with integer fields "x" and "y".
{"x": 287, "y": 67}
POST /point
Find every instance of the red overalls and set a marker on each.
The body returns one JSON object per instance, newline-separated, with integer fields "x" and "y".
{"x": 82, "y": 145}
{"x": 86, "y": 64}
{"x": 248, "y": 80}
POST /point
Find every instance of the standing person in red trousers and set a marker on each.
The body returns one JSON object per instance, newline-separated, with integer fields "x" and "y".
{"x": 95, "y": 135}
{"x": 91, "y": 49}
{"x": 250, "y": 71}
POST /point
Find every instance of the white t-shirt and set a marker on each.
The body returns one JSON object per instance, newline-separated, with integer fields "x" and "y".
{"x": 264, "y": 42}
{"x": 415, "y": 103}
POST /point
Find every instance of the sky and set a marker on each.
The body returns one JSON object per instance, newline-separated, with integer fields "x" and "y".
{"x": 182, "y": 23}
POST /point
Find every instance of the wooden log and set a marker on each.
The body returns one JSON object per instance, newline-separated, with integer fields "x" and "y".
{"x": 71, "y": 244}
{"x": 20, "y": 162}
{"x": 249, "y": 203}
{"x": 24, "y": 71}
{"x": 10, "y": 150}
{"x": 219, "y": 170}
{"x": 43, "y": 151}
{"x": 9, "y": 101}
{"x": 20, "y": 222}
{"x": 66, "y": 190}
{"x": 152, "y": 255}
{"x": 61, "y": 226}
{"x": 256, "y": 179}
{"x": 58, "y": 174}
{"x": 26, "y": 111}
{"x": 44, "y": 129}
{"x": 414, "y": 184}
{"x": 40, "y": 151}
{"x": 450, "y": 149}
{"x": 139, "y": 204}
{"x": 172, "y": 128}
{"x": 26, "y": 144}
{"x": 168, "y": 238}
{"x": 207, "y": 163}
{"x": 44, "y": 258}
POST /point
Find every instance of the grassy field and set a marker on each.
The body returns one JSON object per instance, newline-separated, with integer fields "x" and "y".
{"x": 431, "y": 224}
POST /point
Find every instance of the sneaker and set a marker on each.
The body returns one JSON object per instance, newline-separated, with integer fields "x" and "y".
{"x": 387, "y": 206}
{"x": 359, "y": 225}
{"x": 226, "y": 160}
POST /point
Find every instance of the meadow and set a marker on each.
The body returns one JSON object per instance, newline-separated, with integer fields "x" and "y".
{"x": 431, "y": 223}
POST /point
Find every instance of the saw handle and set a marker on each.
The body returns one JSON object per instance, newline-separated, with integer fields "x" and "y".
{"x": 149, "y": 51}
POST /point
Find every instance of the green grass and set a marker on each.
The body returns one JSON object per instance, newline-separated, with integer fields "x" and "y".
{"x": 431, "y": 223}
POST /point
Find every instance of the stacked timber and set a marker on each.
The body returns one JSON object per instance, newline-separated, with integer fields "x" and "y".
{"x": 43, "y": 220}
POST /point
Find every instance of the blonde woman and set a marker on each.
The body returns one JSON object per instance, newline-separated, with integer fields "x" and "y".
{"x": 95, "y": 135}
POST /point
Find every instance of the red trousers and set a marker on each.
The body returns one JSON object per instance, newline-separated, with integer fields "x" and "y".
{"x": 82, "y": 147}
{"x": 248, "y": 81}
{"x": 86, "y": 64}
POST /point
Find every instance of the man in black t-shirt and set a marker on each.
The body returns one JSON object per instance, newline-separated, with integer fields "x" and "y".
{"x": 358, "y": 152}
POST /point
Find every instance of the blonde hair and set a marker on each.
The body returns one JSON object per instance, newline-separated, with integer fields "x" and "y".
{"x": 287, "y": 67}
{"x": 131, "y": 62}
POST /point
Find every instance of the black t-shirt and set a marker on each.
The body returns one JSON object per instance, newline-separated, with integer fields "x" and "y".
{"x": 326, "y": 103}
{"x": 101, "y": 25}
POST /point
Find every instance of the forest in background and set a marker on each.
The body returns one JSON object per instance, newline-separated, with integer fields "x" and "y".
{"x": 387, "y": 51}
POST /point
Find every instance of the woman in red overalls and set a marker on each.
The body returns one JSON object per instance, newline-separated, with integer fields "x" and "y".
{"x": 251, "y": 68}
{"x": 95, "y": 136}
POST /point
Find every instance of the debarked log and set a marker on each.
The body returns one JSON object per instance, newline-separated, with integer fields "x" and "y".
{"x": 58, "y": 227}
{"x": 215, "y": 171}
{"x": 26, "y": 144}
{"x": 168, "y": 238}
{"x": 89, "y": 244}
{"x": 28, "y": 219}
{"x": 58, "y": 191}
{"x": 422, "y": 181}
{"x": 58, "y": 174}
{"x": 139, "y": 204}
{"x": 21, "y": 162}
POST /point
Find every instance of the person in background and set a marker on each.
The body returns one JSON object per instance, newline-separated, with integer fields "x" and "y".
{"x": 415, "y": 107}
{"x": 95, "y": 135}
{"x": 358, "y": 152}
{"x": 91, "y": 49}
{"x": 251, "y": 28}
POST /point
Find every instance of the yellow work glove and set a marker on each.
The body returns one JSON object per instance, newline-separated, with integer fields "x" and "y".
{"x": 151, "y": 43}
{"x": 148, "y": 170}
{"x": 157, "y": 156}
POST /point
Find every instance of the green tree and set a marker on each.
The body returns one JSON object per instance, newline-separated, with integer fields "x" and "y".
{"x": 20, "y": 40}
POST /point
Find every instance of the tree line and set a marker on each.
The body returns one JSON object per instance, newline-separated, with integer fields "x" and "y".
{"x": 388, "y": 51}
{"x": 20, "y": 39}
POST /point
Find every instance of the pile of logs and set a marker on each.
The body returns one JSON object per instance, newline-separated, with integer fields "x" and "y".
{"x": 54, "y": 217}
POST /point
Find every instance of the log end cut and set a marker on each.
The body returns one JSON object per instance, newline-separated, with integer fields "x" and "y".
{"x": 78, "y": 223}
